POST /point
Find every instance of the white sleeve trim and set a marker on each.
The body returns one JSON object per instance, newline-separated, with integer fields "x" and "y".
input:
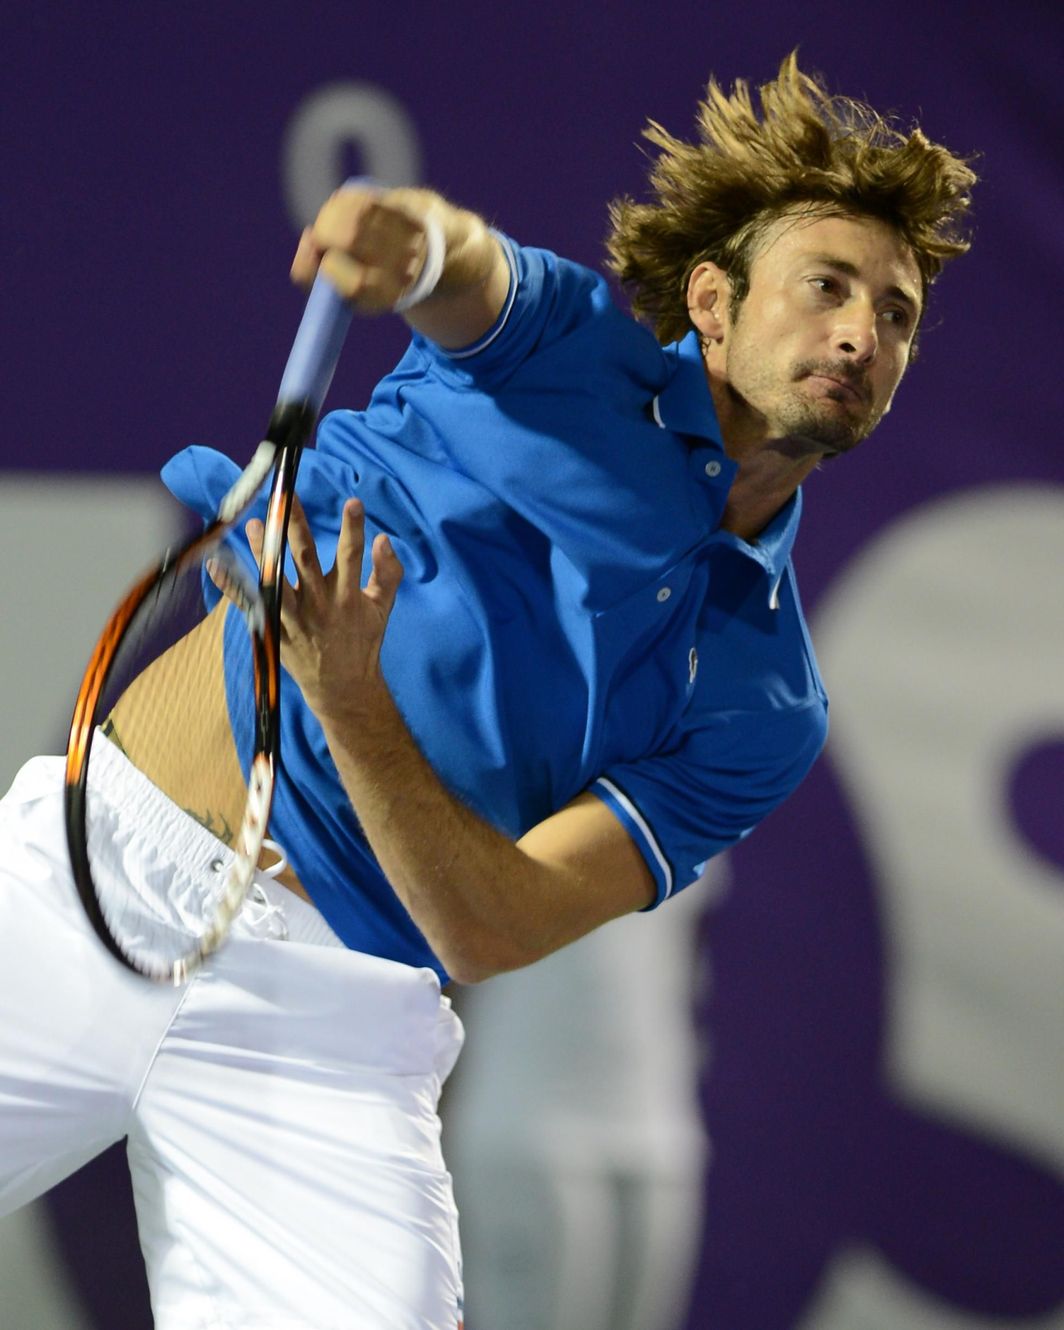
{"x": 503, "y": 319}
{"x": 641, "y": 822}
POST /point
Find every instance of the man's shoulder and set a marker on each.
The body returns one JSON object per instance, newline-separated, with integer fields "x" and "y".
{"x": 574, "y": 292}
{"x": 562, "y": 330}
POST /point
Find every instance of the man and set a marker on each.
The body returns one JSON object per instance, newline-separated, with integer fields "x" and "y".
{"x": 549, "y": 660}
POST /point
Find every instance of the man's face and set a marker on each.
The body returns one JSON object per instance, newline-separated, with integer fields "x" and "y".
{"x": 818, "y": 346}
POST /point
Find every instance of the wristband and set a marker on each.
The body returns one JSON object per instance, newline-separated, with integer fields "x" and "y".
{"x": 431, "y": 269}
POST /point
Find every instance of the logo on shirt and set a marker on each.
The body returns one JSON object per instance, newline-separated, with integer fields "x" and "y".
{"x": 692, "y": 668}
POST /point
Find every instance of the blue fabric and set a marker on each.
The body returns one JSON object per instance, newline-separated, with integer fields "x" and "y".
{"x": 571, "y": 617}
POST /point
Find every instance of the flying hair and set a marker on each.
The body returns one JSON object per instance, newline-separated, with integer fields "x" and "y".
{"x": 808, "y": 153}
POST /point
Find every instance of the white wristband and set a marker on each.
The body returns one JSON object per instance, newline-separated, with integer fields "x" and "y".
{"x": 431, "y": 269}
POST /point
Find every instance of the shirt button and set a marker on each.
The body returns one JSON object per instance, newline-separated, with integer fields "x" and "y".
{"x": 712, "y": 468}
{"x": 664, "y": 594}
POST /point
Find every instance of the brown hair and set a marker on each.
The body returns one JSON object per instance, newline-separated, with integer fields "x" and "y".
{"x": 809, "y": 150}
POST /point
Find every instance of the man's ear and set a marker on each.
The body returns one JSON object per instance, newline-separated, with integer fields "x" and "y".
{"x": 709, "y": 300}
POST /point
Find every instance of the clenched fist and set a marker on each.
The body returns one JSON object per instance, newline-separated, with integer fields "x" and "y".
{"x": 371, "y": 248}
{"x": 377, "y": 248}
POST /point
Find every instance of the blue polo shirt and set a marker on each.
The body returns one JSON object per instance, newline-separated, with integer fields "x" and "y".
{"x": 571, "y": 616}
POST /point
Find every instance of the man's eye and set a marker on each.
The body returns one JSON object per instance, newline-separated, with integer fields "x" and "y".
{"x": 825, "y": 284}
{"x": 899, "y": 317}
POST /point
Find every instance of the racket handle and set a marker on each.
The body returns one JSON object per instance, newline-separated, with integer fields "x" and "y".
{"x": 320, "y": 339}
{"x": 316, "y": 349}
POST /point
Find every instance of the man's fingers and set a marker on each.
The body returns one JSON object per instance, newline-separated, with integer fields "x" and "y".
{"x": 301, "y": 544}
{"x": 319, "y": 601}
{"x": 369, "y": 287}
{"x": 386, "y": 575}
{"x": 232, "y": 588}
{"x": 349, "y": 547}
{"x": 306, "y": 261}
{"x": 367, "y": 227}
{"x": 304, "y": 552}
{"x": 386, "y": 572}
{"x": 369, "y": 249}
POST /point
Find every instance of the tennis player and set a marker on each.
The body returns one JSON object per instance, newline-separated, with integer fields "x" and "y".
{"x": 548, "y": 659}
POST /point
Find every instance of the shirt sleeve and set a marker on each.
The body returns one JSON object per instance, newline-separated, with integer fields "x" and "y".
{"x": 549, "y": 298}
{"x": 685, "y": 806}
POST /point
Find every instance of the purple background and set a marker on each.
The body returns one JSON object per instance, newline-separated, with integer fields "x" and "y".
{"x": 146, "y": 242}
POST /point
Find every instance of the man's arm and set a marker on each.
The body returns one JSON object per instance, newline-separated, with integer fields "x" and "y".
{"x": 484, "y": 903}
{"x": 372, "y": 245}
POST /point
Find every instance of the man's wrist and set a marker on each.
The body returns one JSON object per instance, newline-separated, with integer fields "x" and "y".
{"x": 431, "y": 268}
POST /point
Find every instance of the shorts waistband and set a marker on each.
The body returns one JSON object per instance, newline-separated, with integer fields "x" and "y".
{"x": 167, "y": 832}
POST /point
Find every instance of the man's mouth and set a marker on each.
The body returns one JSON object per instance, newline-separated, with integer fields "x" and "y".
{"x": 851, "y": 390}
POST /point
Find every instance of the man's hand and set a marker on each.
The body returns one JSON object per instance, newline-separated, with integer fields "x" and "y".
{"x": 372, "y": 250}
{"x": 331, "y": 625}
{"x": 372, "y": 245}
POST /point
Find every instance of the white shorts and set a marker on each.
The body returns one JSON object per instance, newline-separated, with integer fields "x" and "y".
{"x": 280, "y": 1109}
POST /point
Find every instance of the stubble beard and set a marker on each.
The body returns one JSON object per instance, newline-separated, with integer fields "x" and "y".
{"x": 832, "y": 424}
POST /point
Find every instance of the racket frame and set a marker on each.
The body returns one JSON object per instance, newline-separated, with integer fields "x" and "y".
{"x": 305, "y": 382}
{"x": 289, "y": 430}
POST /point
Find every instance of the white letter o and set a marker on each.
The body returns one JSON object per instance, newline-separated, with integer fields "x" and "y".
{"x": 360, "y": 115}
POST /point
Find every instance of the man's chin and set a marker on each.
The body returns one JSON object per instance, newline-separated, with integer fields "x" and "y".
{"x": 827, "y": 442}
{"x": 830, "y": 433}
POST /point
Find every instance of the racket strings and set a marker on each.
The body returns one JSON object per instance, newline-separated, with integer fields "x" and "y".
{"x": 178, "y": 717}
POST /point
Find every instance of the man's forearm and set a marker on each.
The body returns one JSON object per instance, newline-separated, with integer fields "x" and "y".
{"x": 482, "y": 903}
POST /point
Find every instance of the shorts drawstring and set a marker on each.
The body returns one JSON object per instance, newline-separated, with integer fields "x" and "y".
{"x": 259, "y": 917}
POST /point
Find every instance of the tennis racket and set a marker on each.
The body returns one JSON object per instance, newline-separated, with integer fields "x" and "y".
{"x": 181, "y": 695}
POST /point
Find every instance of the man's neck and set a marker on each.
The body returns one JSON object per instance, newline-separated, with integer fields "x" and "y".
{"x": 765, "y": 481}
{"x": 770, "y": 469}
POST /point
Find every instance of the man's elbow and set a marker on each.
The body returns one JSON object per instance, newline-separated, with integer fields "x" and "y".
{"x": 470, "y": 961}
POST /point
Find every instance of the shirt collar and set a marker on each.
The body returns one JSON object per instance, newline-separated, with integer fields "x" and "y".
{"x": 685, "y": 404}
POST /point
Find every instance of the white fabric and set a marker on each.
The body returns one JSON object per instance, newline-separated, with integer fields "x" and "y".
{"x": 280, "y": 1109}
{"x": 578, "y": 1147}
{"x": 431, "y": 268}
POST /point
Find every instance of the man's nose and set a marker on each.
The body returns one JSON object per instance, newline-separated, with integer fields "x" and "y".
{"x": 855, "y": 333}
